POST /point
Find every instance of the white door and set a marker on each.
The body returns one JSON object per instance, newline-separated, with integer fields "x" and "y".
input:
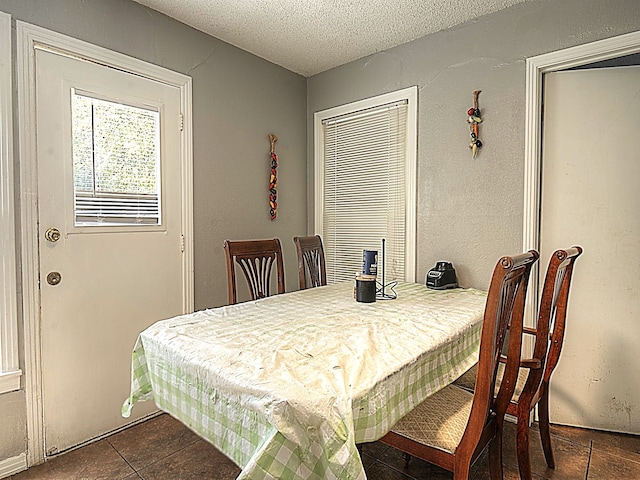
{"x": 109, "y": 181}
{"x": 591, "y": 197}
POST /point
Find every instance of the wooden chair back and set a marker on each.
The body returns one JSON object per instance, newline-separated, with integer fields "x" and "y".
{"x": 311, "y": 267}
{"x": 552, "y": 315}
{"x": 256, "y": 259}
{"x": 549, "y": 337}
{"x": 504, "y": 311}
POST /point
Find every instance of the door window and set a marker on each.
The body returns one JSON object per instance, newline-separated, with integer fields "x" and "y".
{"x": 116, "y": 162}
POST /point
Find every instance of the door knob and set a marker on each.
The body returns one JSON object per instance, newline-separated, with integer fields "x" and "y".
{"x": 54, "y": 278}
{"x": 52, "y": 235}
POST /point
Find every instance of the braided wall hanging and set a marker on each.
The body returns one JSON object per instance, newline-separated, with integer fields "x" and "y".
{"x": 273, "y": 179}
{"x": 474, "y": 120}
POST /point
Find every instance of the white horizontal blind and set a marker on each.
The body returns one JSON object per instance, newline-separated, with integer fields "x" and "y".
{"x": 116, "y": 208}
{"x": 365, "y": 189}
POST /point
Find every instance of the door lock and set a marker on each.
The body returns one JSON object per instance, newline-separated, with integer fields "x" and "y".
{"x": 54, "y": 278}
{"x": 52, "y": 235}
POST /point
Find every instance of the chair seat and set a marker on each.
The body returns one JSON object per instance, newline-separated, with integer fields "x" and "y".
{"x": 440, "y": 420}
{"x": 468, "y": 380}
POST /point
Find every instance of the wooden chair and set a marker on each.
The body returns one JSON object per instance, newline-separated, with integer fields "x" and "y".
{"x": 452, "y": 427}
{"x": 311, "y": 260}
{"x": 532, "y": 385}
{"x": 256, "y": 258}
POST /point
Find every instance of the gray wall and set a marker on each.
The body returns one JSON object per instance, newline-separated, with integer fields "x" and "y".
{"x": 238, "y": 99}
{"x": 470, "y": 212}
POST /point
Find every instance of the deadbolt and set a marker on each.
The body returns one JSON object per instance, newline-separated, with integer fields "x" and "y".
{"x": 52, "y": 234}
{"x": 54, "y": 278}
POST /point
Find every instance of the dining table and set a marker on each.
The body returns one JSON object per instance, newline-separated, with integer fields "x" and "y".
{"x": 287, "y": 386}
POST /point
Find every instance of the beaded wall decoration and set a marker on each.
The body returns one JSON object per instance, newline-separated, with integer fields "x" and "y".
{"x": 273, "y": 178}
{"x": 474, "y": 120}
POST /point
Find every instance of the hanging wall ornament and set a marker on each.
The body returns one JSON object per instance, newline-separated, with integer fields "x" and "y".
{"x": 474, "y": 120}
{"x": 273, "y": 178}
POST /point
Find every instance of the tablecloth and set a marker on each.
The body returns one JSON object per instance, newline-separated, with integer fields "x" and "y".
{"x": 287, "y": 385}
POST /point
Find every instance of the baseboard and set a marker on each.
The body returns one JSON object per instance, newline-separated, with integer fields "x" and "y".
{"x": 13, "y": 465}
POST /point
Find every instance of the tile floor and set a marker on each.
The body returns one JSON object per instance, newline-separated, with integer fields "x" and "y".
{"x": 163, "y": 449}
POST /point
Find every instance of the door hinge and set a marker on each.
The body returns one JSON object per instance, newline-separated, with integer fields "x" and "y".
{"x": 181, "y": 122}
{"x": 182, "y": 243}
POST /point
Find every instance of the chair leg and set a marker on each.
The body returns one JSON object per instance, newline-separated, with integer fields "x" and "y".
{"x": 545, "y": 433}
{"x": 522, "y": 445}
{"x": 461, "y": 472}
{"x": 495, "y": 458}
{"x": 407, "y": 458}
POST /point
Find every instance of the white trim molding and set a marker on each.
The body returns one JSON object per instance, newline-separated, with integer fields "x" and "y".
{"x": 10, "y": 372}
{"x": 536, "y": 67}
{"x": 13, "y": 465}
{"x": 10, "y": 381}
{"x": 30, "y": 37}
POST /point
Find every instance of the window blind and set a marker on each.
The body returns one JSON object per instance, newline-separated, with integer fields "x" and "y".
{"x": 365, "y": 189}
{"x": 116, "y": 209}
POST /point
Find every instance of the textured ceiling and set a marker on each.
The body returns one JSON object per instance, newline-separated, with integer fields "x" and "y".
{"x": 311, "y": 36}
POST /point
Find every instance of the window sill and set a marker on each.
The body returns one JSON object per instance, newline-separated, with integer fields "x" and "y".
{"x": 10, "y": 381}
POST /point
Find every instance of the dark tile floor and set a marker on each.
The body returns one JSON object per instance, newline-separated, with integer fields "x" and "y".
{"x": 162, "y": 448}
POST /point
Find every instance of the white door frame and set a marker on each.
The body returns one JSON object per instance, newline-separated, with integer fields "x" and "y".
{"x": 537, "y": 66}
{"x": 28, "y": 37}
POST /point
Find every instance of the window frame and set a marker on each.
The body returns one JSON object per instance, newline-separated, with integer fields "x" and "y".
{"x": 10, "y": 372}
{"x": 410, "y": 95}
{"x": 116, "y": 226}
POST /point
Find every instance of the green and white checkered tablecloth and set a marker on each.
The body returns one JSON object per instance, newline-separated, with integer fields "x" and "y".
{"x": 287, "y": 385}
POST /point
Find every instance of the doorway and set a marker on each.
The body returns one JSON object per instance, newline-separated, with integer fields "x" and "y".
{"x": 106, "y": 226}
{"x": 590, "y": 197}
{"x": 611, "y": 414}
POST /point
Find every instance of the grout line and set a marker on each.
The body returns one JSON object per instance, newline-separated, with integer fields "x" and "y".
{"x": 121, "y": 456}
{"x": 394, "y": 469}
{"x": 589, "y": 460}
{"x": 138, "y": 471}
{"x": 617, "y": 452}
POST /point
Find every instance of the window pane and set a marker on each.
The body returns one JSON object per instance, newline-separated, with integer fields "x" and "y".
{"x": 115, "y": 162}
